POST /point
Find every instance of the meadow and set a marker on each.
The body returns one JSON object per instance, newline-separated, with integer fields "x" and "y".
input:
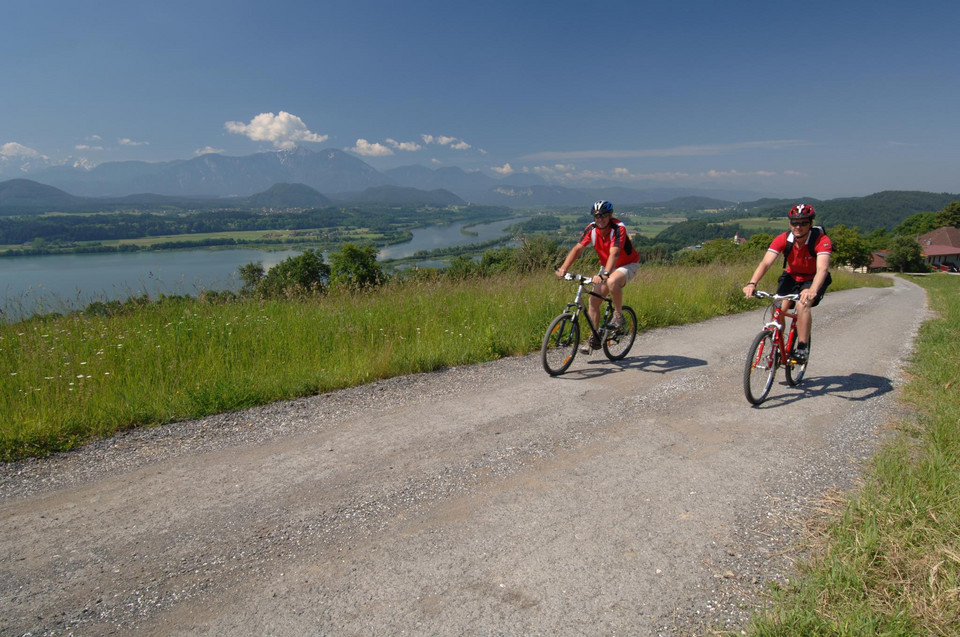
{"x": 87, "y": 375}
{"x": 886, "y": 559}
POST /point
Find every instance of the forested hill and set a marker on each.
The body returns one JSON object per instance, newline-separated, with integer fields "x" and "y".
{"x": 885, "y": 209}
{"x": 882, "y": 210}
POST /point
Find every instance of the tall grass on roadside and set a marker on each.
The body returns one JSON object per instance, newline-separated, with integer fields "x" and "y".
{"x": 67, "y": 380}
{"x": 888, "y": 563}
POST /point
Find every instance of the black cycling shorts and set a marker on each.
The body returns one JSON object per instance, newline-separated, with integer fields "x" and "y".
{"x": 786, "y": 284}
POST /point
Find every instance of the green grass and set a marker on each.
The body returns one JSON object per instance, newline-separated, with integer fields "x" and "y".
{"x": 888, "y": 561}
{"x": 68, "y": 380}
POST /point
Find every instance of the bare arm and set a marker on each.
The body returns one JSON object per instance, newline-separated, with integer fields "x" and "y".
{"x": 765, "y": 264}
{"x": 572, "y": 256}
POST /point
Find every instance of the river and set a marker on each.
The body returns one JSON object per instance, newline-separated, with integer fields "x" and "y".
{"x": 59, "y": 283}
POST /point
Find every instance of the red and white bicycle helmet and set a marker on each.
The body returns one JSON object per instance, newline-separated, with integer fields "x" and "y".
{"x": 802, "y": 211}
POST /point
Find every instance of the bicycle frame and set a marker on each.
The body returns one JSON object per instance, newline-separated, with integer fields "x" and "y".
{"x": 562, "y": 338}
{"x": 578, "y": 305}
{"x": 777, "y": 325}
{"x": 770, "y": 351}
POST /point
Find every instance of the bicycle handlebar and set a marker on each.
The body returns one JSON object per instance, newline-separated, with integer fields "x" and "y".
{"x": 578, "y": 277}
{"x": 760, "y": 294}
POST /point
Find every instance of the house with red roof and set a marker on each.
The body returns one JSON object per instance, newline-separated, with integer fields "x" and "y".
{"x": 941, "y": 247}
{"x": 879, "y": 262}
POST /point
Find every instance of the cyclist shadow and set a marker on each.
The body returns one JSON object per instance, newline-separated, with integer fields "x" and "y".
{"x": 601, "y": 366}
{"x": 855, "y": 387}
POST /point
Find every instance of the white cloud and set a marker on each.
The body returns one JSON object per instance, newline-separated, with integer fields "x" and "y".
{"x": 367, "y": 149}
{"x": 94, "y": 138}
{"x": 17, "y": 159}
{"x": 13, "y": 149}
{"x": 126, "y": 141}
{"x": 87, "y": 147}
{"x": 506, "y": 169}
{"x": 206, "y": 150}
{"x": 81, "y": 162}
{"x": 408, "y": 146}
{"x": 444, "y": 140}
{"x": 283, "y": 130}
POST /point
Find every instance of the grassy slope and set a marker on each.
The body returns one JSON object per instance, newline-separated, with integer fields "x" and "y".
{"x": 888, "y": 561}
{"x": 71, "y": 379}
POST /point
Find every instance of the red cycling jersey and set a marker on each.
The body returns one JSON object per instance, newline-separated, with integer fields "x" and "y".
{"x": 615, "y": 235}
{"x": 802, "y": 260}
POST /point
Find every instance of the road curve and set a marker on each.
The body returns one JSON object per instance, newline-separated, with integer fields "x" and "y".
{"x": 641, "y": 498}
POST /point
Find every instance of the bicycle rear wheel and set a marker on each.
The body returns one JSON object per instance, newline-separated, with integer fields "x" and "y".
{"x": 618, "y": 342}
{"x": 796, "y": 371}
{"x": 560, "y": 344}
{"x": 760, "y": 368}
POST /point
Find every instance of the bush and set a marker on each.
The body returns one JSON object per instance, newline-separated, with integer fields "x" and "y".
{"x": 305, "y": 272}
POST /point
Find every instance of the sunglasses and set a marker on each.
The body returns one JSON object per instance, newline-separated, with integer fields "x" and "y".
{"x": 797, "y": 224}
{"x": 602, "y": 214}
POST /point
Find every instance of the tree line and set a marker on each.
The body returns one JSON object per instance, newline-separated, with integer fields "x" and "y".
{"x": 117, "y": 226}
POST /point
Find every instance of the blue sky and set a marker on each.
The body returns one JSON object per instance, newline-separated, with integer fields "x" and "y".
{"x": 821, "y": 99}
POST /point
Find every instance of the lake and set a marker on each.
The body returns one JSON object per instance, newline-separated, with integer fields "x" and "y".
{"x": 62, "y": 282}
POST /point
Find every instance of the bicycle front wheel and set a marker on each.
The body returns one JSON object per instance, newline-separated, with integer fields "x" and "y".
{"x": 617, "y": 343}
{"x": 760, "y": 368}
{"x": 560, "y": 344}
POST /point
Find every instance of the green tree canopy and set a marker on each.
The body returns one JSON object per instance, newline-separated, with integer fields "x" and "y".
{"x": 760, "y": 241}
{"x": 917, "y": 224}
{"x": 949, "y": 216}
{"x": 906, "y": 255}
{"x": 849, "y": 248}
{"x": 304, "y": 272}
{"x": 462, "y": 267}
{"x": 251, "y": 274}
{"x": 538, "y": 253}
{"x": 355, "y": 266}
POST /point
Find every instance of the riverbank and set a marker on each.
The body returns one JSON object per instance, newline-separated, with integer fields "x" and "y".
{"x": 61, "y": 283}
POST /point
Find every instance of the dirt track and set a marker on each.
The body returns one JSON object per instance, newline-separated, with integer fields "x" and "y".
{"x": 637, "y": 498}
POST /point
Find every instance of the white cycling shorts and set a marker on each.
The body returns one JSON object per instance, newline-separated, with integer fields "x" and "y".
{"x": 629, "y": 271}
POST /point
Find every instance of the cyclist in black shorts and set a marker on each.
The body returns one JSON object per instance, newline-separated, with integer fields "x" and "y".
{"x": 807, "y": 253}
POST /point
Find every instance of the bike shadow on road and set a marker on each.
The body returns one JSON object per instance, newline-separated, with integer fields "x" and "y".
{"x": 601, "y": 366}
{"x": 855, "y": 387}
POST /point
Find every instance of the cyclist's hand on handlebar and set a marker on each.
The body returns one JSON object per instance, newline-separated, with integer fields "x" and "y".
{"x": 749, "y": 291}
{"x": 561, "y": 272}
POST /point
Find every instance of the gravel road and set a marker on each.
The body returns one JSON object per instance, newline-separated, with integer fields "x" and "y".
{"x": 644, "y": 497}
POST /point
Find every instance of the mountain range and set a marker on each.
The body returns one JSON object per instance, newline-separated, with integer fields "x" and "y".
{"x": 339, "y": 176}
{"x": 24, "y": 196}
